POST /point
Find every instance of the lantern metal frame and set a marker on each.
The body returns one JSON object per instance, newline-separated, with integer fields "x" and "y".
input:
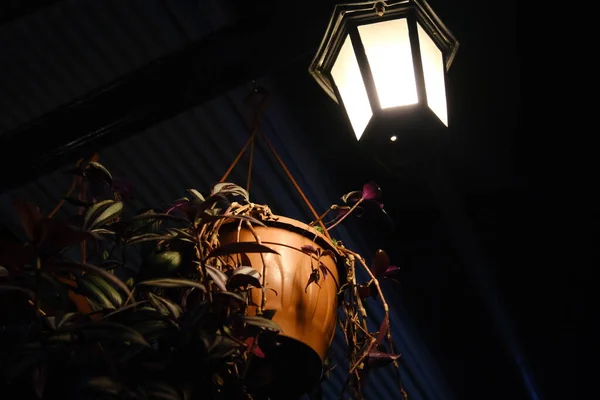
{"x": 345, "y": 21}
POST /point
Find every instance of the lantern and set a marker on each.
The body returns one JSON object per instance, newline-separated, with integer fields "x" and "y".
{"x": 385, "y": 62}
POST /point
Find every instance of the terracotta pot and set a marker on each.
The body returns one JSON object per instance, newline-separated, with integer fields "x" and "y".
{"x": 306, "y": 313}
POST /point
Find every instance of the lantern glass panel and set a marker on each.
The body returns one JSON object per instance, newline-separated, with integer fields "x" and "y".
{"x": 388, "y": 51}
{"x": 348, "y": 79}
{"x": 433, "y": 71}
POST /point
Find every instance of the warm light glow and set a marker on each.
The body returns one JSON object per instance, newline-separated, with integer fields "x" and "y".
{"x": 394, "y": 138}
{"x": 387, "y": 47}
{"x": 433, "y": 70}
{"x": 349, "y": 82}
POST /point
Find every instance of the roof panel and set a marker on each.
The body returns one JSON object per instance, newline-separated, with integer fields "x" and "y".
{"x": 64, "y": 51}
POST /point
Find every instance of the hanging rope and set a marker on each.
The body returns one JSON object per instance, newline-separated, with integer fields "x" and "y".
{"x": 250, "y": 142}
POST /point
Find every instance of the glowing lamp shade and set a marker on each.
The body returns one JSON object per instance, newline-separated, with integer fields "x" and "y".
{"x": 385, "y": 62}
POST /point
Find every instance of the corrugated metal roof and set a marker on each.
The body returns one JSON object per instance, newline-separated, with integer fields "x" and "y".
{"x": 194, "y": 149}
{"x": 62, "y": 52}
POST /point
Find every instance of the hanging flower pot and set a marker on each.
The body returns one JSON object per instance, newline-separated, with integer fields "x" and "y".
{"x": 300, "y": 285}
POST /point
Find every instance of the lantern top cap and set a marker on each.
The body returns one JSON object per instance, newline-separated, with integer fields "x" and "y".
{"x": 373, "y": 11}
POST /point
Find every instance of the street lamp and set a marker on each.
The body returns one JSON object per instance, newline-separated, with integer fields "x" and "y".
{"x": 385, "y": 62}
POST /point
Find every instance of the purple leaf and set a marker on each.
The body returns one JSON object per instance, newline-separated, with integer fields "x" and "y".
{"x": 124, "y": 188}
{"x": 383, "y": 330}
{"x": 380, "y": 263}
{"x": 314, "y": 277}
{"x": 371, "y": 191}
{"x": 308, "y": 249}
{"x": 378, "y": 359}
{"x": 364, "y": 291}
{"x": 392, "y": 272}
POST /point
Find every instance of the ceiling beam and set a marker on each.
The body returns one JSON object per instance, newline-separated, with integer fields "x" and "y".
{"x": 166, "y": 87}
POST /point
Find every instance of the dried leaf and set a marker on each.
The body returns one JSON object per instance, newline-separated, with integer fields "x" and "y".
{"x": 352, "y": 197}
{"x": 230, "y": 188}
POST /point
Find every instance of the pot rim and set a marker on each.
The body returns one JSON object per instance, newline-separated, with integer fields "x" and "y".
{"x": 302, "y": 228}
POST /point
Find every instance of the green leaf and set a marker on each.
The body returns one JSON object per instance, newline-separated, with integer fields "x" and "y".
{"x": 154, "y": 217}
{"x": 260, "y": 322}
{"x": 196, "y": 194}
{"x": 93, "y": 292}
{"x": 181, "y": 235}
{"x": 12, "y": 288}
{"x": 112, "y": 331}
{"x": 161, "y": 391}
{"x": 164, "y": 261}
{"x": 240, "y": 247}
{"x": 23, "y": 365}
{"x": 230, "y": 188}
{"x": 165, "y": 306}
{"x": 243, "y": 276}
{"x": 232, "y": 296}
{"x": 218, "y": 277}
{"x": 145, "y": 237}
{"x": 125, "y": 308}
{"x": 104, "y": 384}
{"x": 173, "y": 283}
{"x": 222, "y": 347}
{"x": 113, "y": 295}
{"x": 269, "y": 313}
{"x": 77, "y": 267}
{"x": 96, "y": 172}
{"x": 110, "y": 264}
{"x": 94, "y": 211}
{"x": 109, "y": 213}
